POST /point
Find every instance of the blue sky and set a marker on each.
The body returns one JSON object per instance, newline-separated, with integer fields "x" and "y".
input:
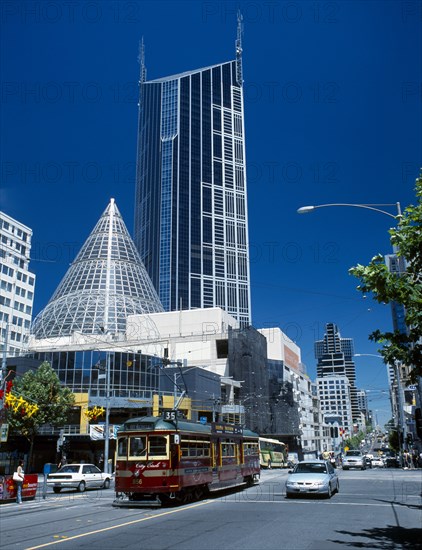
{"x": 333, "y": 115}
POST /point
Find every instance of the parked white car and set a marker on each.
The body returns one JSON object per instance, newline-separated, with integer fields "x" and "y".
{"x": 78, "y": 476}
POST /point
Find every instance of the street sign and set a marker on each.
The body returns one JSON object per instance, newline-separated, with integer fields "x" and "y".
{"x": 4, "y": 432}
{"x": 170, "y": 416}
{"x": 203, "y": 419}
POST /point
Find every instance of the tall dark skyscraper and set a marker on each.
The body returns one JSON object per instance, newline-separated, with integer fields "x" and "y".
{"x": 191, "y": 221}
{"x": 335, "y": 358}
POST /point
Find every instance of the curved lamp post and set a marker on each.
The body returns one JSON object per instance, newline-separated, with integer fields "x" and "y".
{"x": 374, "y": 207}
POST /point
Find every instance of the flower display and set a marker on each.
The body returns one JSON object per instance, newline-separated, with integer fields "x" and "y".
{"x": 94, "y": 412}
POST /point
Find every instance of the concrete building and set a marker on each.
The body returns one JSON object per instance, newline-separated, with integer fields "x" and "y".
{"x": 17, "y": 285}
{"x": 334, "y": 396}
{"x": 297, "y": 414}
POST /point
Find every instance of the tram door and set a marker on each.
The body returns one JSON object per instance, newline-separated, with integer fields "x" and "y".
{"x": 215, "y": 459}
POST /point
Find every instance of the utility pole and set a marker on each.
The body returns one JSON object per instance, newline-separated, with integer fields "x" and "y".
{"x": 401, "y": 426}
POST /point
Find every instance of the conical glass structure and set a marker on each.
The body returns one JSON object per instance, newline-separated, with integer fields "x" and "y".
{"x": 106, "y": 282}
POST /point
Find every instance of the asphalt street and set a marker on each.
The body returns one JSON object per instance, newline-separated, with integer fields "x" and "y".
{"x": 378, "y": 508}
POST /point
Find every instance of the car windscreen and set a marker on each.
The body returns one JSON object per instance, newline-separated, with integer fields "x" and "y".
{"x": 309, "y": 468}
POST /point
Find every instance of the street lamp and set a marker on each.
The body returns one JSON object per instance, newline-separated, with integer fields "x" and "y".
{"x": 374, "y": 207}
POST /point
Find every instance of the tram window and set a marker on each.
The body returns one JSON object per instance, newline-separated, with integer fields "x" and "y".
{"x": 137, "y": 446}
{"x": 122, "y": 447}
{"x": 195, "y": 447}
{"x": 157, "y": 445}
{"x": 228, "y": 449}
{"x": 250, "y": 449}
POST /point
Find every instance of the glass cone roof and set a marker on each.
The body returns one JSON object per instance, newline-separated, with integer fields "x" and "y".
{"x": 106, "y": 282}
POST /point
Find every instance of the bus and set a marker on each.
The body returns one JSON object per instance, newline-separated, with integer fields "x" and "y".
{"x": 272, "y": 453}
{"x": 170, "y": 460}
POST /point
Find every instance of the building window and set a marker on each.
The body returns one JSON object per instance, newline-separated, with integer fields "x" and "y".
{"x": 222, "y": 348}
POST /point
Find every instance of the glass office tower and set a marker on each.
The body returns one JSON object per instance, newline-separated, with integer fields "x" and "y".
{"x": 191, "y": 222}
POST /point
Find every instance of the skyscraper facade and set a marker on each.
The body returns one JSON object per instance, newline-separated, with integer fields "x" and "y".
{"x": 191, "y": 222}
{"x": 335, "y": 358}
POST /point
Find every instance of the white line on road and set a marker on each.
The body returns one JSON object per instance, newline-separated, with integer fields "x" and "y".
{"x": 119, "y": 525}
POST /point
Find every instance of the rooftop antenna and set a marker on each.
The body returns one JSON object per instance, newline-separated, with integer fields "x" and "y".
{"x": 141, "y": 59}
{"x": 239, "y": 70}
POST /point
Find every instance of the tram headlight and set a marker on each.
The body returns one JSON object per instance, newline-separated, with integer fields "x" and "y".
{"x": 136, "y": 473}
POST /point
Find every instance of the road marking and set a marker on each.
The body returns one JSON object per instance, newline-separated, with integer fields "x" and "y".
{"x": 118, "y": 526}
{"x": 306, "y": 501}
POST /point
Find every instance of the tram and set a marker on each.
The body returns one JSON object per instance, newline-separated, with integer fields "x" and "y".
{"x": 170, "y": 460}
{"x": 272, "y": 453}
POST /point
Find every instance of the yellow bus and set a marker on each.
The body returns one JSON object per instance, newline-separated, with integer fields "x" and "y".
{"x": 272, "y": 453}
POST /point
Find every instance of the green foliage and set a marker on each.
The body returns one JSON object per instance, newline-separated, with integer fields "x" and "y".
{"x": 393, "y": 440}
{"x": 42, "y": 388}
{"x": 405, "y": 289}
{"x": 354, "y": 441}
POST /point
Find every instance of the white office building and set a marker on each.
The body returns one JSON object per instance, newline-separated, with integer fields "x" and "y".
{"x": 334, "y": 396}
{"x": 17, "y": 285}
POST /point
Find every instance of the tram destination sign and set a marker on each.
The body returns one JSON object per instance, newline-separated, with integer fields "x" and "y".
{"x": 221, "y": 428}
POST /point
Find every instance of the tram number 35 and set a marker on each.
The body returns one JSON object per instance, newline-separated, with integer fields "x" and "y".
{"x": 170, "y": 415}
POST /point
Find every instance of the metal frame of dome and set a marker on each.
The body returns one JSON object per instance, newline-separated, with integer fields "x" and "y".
{"x": 106, "y": 282}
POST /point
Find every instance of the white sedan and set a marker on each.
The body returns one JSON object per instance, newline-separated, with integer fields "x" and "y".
{"x": 78, "y": 476}
{"x": 377, "y": 462}
{"x": 312, "y": 477}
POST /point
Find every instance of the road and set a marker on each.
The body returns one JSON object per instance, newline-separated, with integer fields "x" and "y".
{"x": 378, "y": 508}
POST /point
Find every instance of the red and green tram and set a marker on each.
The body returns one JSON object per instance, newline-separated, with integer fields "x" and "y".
{"x": 162, "y": 461}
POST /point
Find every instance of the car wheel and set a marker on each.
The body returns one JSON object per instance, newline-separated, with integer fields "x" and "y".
{"x": 329, "y": 492}
{"x": 57, "y": 489}
{"x": 345, "y": 468}
{"x": 338, "y": 486}
{"x": 363, "y": 468}
{"x": 81, "y": 487}
{"x": 106, "y": 484}
{"x": 289, "y": 495}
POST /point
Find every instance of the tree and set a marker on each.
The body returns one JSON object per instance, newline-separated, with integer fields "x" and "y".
{"x": 405, "y": 288}
{"x": 53, "y": 402}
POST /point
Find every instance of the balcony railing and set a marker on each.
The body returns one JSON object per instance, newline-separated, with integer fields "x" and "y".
{"x": 68, "y": 429}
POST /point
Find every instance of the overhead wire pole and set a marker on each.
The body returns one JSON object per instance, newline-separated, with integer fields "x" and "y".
{"x": 106, "y": 329}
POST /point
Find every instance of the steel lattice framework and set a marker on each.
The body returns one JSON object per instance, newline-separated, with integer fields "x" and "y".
{"x": 106, "y": 282}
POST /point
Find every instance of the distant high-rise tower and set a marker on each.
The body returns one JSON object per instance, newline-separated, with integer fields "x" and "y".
{"x": 191, "y": 222}
{"x": 335, "y": 358}
{"x": 17, "y": 284}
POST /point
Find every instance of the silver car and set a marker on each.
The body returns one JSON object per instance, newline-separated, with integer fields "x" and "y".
{"x": 78, "y": 476}
{"x": 312, "y": 477}
{"x": 354, "y": 459}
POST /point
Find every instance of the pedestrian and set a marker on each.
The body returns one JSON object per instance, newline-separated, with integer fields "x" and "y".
{"x": 19, "y": 482}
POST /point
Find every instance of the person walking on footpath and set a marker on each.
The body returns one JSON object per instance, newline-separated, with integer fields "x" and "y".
{"x": 19, "y": 483}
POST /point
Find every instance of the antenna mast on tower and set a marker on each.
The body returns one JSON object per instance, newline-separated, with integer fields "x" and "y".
{"x": 141, "y": 59}
{"x": 239, "y": 70}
